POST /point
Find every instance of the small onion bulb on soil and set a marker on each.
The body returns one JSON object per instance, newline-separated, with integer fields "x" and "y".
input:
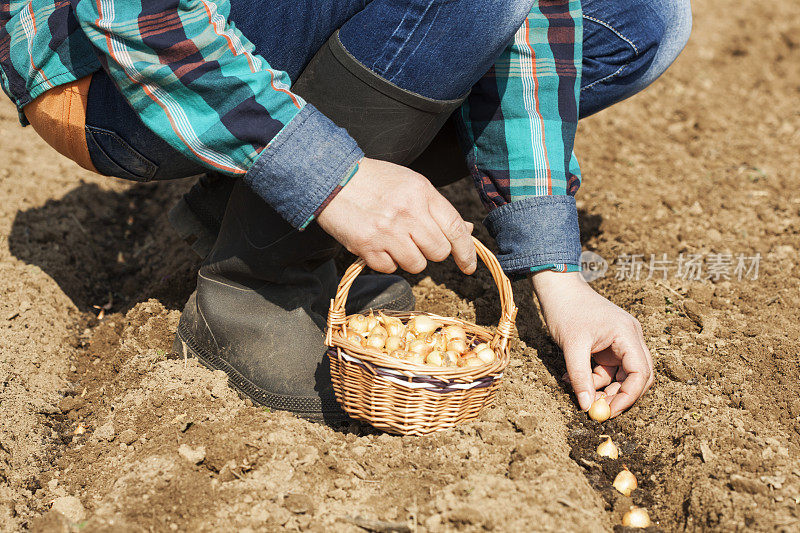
{"x": 608, "y": 449}
{"x": 600, "y": 410}
{"x": 636, "y": 517}
{"x": 625, "y": 482}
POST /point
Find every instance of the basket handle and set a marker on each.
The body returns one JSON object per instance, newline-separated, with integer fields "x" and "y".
{"x": 508, "y": 311}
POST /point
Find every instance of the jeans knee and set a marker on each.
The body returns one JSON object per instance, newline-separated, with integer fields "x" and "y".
{"x": 631, "y": 36}
{"x": 675, "y": 24}
{"x": 667, "y": 34}
{"x": 677, "y": 17}
{"x": 627, "y": 45}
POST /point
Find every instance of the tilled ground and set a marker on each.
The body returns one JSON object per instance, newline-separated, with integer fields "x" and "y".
{"x": 97, "y": 416}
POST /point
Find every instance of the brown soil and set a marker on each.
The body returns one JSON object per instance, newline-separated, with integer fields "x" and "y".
{"x": 704, "y": 161}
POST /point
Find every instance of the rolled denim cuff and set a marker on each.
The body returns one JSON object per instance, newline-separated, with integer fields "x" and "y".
{"x": 536, "y": 231}
{"x": 297, "y": 172}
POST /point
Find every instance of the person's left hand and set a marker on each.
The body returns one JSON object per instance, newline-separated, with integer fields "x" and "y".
{"x": 587, "y": 326}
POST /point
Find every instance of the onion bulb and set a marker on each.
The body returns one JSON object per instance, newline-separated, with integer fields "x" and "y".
{"x": 430, "y": 340}
{"x": 376, "y": 341}
{"x": 600, "y": 410}
{"x": 356, "y": 338}
{"x": 636, "y": 517}
{"x": 420, "y": 347}
{"x": 434, "y": 358}
{"x": 421, "y": 324}
{"x": 371, "y": 321}
{"x": 457, "y": 345}
{"x": 394, "y": 326}
{"x": 439, "y": 342}
{"x": 400, "y": 354}
{"x": 608, "y": 449}
{"x": 486, "y": 355}
{"x": 395, "y": 330}
{"x": 379, "y": 330}
{"x": 417, "y": 358}
{"x": 449, "y": 358}
{"x": 480, "y": 347}
{"x": 625, "y": 482}
{"x": 357, "y": 323}
{"x": 469, "y": 361}
{"x": 454, "y": 332}
{"x": 394, "y": 343}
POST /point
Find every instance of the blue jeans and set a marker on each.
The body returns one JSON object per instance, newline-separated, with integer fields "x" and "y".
{"x": 437, "y": 48}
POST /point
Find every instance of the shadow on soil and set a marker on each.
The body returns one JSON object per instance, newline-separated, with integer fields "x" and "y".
{"x": 103, "y": 246}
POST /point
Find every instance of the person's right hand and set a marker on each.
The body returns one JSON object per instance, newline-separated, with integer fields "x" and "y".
{"x": 590, "y": 329}
{"x": 391, "y": 216}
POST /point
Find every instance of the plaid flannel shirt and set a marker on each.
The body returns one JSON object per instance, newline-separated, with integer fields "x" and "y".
{"x": 195, "y": 80}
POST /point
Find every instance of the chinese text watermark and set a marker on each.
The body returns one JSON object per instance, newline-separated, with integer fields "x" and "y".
{"x": 684, "y": 266}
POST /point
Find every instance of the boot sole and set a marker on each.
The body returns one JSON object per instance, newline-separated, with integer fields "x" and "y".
{"x": 185, "y": 346}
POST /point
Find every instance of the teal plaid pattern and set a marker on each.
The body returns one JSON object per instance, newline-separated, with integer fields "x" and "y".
{"x": 518, "y": 125}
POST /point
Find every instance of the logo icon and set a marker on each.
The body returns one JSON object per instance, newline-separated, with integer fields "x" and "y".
{"x": 593, "y": 266}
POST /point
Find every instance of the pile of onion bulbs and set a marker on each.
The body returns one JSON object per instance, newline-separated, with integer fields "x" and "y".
{"x": 421, "y": 340}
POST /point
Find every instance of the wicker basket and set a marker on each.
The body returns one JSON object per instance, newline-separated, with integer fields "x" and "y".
{"x": 402, "y": 397}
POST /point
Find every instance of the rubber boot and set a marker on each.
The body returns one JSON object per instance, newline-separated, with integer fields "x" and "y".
{"x": 388, "y": 122}
{"x": 263, "y": 292}
{"x": 197, "y": 216}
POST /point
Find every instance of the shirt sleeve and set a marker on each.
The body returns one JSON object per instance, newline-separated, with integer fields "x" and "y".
{"x": 195, "y": 80}
{"x": 518, "y": 129}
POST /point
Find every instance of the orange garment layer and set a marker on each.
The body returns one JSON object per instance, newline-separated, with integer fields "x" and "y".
{"x": 59, "y": 117}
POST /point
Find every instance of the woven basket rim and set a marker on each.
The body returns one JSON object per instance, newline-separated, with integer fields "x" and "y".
{"x": 405, "y": 378}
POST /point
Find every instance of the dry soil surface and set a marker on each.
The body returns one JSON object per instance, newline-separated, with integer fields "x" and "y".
{"x": 102, "y": 429}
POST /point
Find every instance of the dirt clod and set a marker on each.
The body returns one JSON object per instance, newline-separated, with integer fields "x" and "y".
{"x": 71, "y": 507}
{"x": 194, "y": 455}
{"x": 128, "y": 437}
{"x": 751, "y": 486}
{"x": 105, "y": 432}
{"x": 298, "y": 503}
